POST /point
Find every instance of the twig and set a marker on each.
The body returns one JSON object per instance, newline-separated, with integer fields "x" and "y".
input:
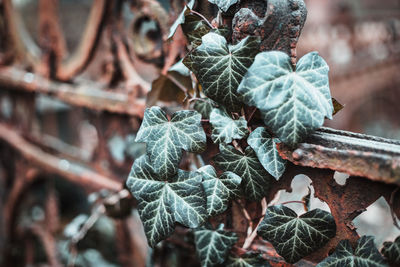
{"x": 180, "y": 86}
{"x": 197, "y": 99}
{"x": 293, "y": 201}
{"x": 251, "y": 115}
{"x": 250, "y": 238}
{"x": 247, "y": 216}
{"x": 203, "y": 18}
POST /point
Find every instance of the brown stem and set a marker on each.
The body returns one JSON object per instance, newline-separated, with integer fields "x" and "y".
{"x": 203, "y": 18}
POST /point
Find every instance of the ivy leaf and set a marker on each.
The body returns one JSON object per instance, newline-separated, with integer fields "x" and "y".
{"x": 166, "y": 139}
{"x": 219, "y": 191}
{"x": 224, "y": 5}
{"x": 220, "y": 67}
{"x": 204, "y": 107}
{"x": 247, "y": 260}
{"x": 162, "y": 201}
{"x": 224, "y": 128}
{"x": 213, "y": 246}
{"x": 365, "y": 254}
{"x": 265, "y": 147}
{"x": 391, "y": 250}
{"x": 195, "y": 28}
{"x": 296, "y": 237}
{"x": 293, "y": 104}
{"x": 255, "y": 180}
{"x": 180, "y": 19}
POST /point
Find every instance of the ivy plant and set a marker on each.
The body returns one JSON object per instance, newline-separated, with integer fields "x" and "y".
{"x": 296, "y": 237}
{"x": 223, "y": 149}
{"x": 213, "y": 246}
{"x": 365, "y": 254}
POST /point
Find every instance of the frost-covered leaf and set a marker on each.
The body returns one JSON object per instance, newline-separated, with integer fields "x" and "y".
{"x": 213, "y": 246}
{"x": 219, "y": 191}
{"x": 391, "y": 250}
{"x": 166, "y": 139}
{"x": 265, "y": 147}
{"x": 365, "y": 254}
{"x": 255, "y": 179}
{"x": 204, "y": 107}
{"x": 224, "y": 5}
{"x": 295, "y": 237}
{"x": 162, "y": 200}
{"x": 195, "y": 28}
{"x": 247, "y": 260}
{"x": 293, "y": 104}
{"x": 224, "y": 128}
{"x": 220, "y": 67}
{"x": 180, "y": 19}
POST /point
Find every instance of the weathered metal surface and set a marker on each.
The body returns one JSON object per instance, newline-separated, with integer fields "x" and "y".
{"x": 356, "y": 154}
{"x": 53, "y": 164}
{"x": 88, "y": 94}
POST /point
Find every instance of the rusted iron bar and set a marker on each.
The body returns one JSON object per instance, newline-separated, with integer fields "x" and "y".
{"x": 356, "y": 154}
{"x": 80, "y": 58}
{"x": 87, "y": 95}
{"x": 52, "y": 164}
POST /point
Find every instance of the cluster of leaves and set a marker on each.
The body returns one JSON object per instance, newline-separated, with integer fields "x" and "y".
{"x": 292, "y": 103}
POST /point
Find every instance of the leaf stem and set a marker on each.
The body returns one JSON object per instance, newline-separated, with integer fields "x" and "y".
{"x": 293, "y": 201}
{"x": 203, "y": 18}
{"x": 180, "y": 86}
{"x": 250, "y": 238}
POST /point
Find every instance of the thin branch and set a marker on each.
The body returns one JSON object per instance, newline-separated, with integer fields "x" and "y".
{"x": 293, "y": 201}
{"x": 180, "y": 86}
{"x": 250, "y": 238}
{"x": 203, "y": 18}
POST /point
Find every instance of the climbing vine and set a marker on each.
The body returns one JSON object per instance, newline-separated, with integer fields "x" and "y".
{"x": 242, "y": 103}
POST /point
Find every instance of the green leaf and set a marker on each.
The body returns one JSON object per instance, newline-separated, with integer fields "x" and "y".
{"x": 195, "y": 28}
{"x": 293, "y": 104}
{"x": 224, "y": 128}
{"x": 224, "y": 5}
{"x": 296, "y": 237}
{"x": 255, "y": 180}
{"x": 180, "y": 19}
{"x": 204, "y": 107}
{"x": 247, "y": 260}
{"x": 220, "y": 67}
{"x": 265, "y": 147}
{"x": 162, "y": 200}
{"x": 391, "y": 250}
{"x": 166, "y": 139}
{"x": 213, "y": 246}
{"x": 219, "y": 191}
{"x": 365, "y": 254}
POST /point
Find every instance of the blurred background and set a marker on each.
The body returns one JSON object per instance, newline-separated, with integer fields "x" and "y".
{"x": 74, "y": 76}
